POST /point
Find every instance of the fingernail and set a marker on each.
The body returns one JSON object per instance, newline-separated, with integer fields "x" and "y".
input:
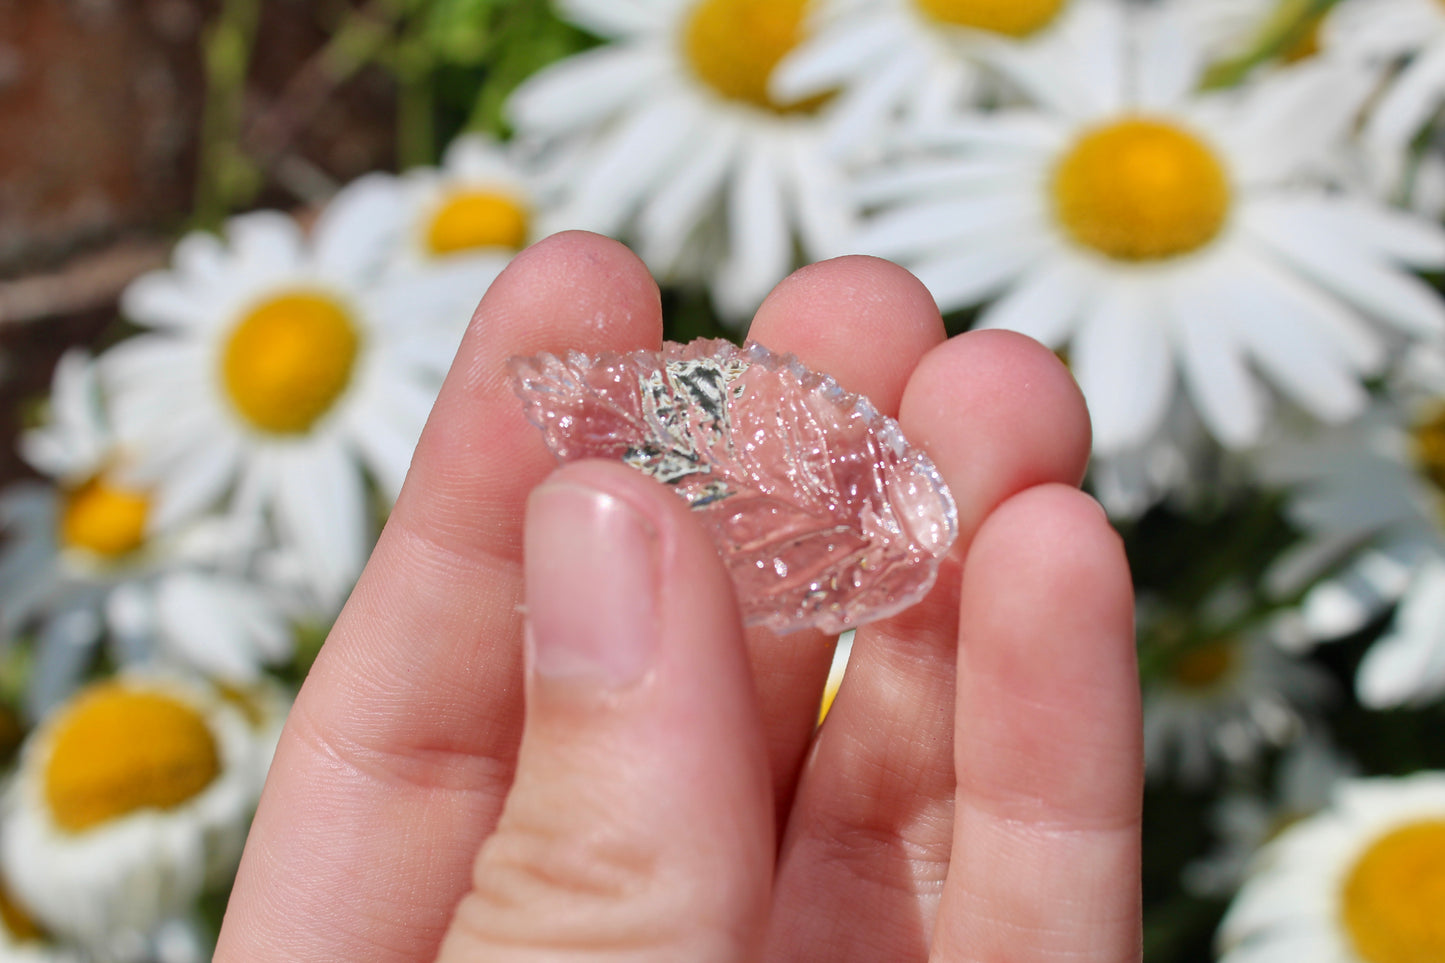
{"x": 591, "y": 568}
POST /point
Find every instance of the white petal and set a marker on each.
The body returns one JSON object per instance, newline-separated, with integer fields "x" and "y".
{"x": 966, "y": 277}
{"x": 1169, "y": 62}
{"x": 321, "y": 511}
{"x": 1294, "y": 118}
{"x": 610, "y": 18}
{"x": 825, "y": 62}
{"x": 1410, "y": 102}
{"x": 825, "y": 215}
{"x": 1224, "y": 392}
{"x": 1043, "y": 304}
{"x": 1407, "y": 666}
{"x": 196, "y": 483}
{"x": 1122, "y": 361}
{"x": 66, "y": 646}
{"x": 385, "y": 448}
{"x": 687, "y": 197}
{"x": 1008, "y": 132}
{"x": 360, "y": 229}
{"x": 921, "y": 228}
{"x": 858, "y": 116}
{"x": 160, "y": 299}
{"x": 629, "y": 161}
{"x": 200, "y": 258}
{"x": 1389, "y": 294}
{"x": 583, "y": 90}
{"x": 1351, "y": 335}
{"x": 936, "y": 177}
{"x": 267, "y": 242}
{"x": 760, "y": 243}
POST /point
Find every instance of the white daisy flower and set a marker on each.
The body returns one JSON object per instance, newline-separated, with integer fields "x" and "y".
{"x": 1224, "y": 699}
{"x": 130, "y": 799}
{"x": 1371, "y": 495}
{"x": 83, "y": 562}
{"x": 1362, "y": 882}
{"x": 480, "y": 204}
{"x": 1163, "y": 234}
{"x": 909, "y": 60}
{"x": 285, "y": 370}
{"x": 675, "y": 143}
{"x": 1242, "y": 821}
{"x": 463, "y": 221}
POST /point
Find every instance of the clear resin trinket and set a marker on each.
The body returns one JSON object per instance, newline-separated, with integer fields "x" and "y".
{"x": 824, "y": 514}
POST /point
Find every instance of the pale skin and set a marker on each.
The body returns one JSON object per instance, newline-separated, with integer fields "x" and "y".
{"x": 646, "y": 784}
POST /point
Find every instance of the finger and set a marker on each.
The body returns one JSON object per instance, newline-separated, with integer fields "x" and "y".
{"x": 866, "y": 322}
{"x": 1045, "y": 864}
{"x": 863, "y": 864}
{"x": 640, "y": 824}
{"x": 395, "y": 760}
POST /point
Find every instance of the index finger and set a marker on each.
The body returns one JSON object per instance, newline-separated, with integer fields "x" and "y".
{"x": 399, "y": 751}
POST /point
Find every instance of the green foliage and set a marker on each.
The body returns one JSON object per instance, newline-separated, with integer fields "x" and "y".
{"x": 453, "y": 63}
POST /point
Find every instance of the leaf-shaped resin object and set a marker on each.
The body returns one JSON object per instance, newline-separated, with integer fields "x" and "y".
{"x": 824, "y": 514}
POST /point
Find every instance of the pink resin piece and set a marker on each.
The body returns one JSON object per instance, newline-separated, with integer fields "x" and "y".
{"x": 824, "y": 514}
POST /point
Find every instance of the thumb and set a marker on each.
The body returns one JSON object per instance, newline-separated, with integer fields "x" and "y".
{"x": 639, "y": 824}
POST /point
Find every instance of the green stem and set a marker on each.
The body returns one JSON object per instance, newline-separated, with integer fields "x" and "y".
{"x": 225, "y": 177}
{"x": 415, "y": 115}
{"x": 1288, "y": 26}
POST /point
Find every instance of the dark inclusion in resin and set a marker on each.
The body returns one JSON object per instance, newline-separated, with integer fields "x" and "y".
{"x": 824, "y": 514}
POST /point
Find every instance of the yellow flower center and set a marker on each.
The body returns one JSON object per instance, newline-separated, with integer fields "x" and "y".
{"x": 733, "y": 46}
{"x": 1203, "y": 666}
{"x": 1013, "y": 18}
{"x": 1393, "y": 902}
{"x": 116, "y": 750}
{"x": 1141, "y": 190}
{"x": 104, "y": 519}
{"x": 288, "y": 361}
{"x": 470, "y": 220}
{"x": 1429, "y": 445}
{"x": 18, "y": 923}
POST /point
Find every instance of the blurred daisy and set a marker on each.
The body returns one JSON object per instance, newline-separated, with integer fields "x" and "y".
{"x": 1384, "y": 32}
{"x": 1370, "y": 498}
{"x": 130, "y": 799}
{"x": 674, "y": 141}
{"x": 1164, "y": 235}
{"x": 1225, "y": 698}
{"x": 480, "y": 204}
{"x": 1244, "y": 821}
{"x": 1362, "y": 882}
{"x": 285, "y": 370}
{"x": 914, "y": 60}
{"x": 84, "y": 562}
{"x": 464, "y": 220}
{"x": 1178, "y": 463}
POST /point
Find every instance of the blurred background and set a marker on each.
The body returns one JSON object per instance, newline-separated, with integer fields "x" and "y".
{"x": 239, "y": 240}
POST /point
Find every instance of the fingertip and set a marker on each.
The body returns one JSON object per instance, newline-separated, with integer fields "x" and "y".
{"x": 590, "y": 284}
{"x": 1048, "y": 686}
{"x": 864, "y": 320}
{"x": 999, "y": 413}
{"x": 1064, "y": 536}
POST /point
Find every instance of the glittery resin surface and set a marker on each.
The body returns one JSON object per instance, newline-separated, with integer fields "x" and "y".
{"x": 824, "y": 514}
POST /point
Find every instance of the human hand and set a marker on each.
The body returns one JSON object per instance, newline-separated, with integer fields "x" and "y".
{"x": 662, "y": 795}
